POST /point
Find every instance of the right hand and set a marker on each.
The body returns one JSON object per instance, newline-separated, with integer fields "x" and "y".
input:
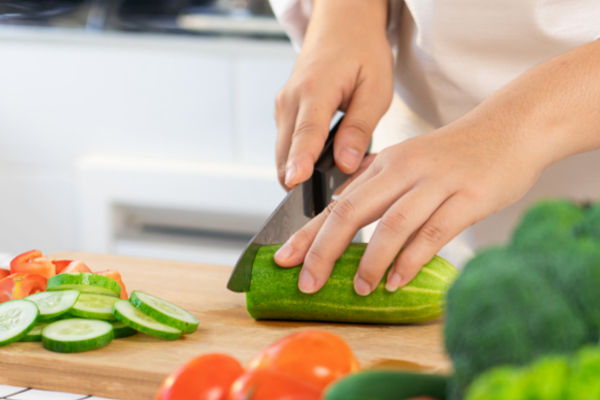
{"x": 346, "y": 64}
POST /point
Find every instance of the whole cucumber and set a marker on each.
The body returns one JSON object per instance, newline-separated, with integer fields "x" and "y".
{"x": 274, "y": 293}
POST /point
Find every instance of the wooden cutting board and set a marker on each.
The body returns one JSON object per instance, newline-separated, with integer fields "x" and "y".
{"x": 133, "y": 368}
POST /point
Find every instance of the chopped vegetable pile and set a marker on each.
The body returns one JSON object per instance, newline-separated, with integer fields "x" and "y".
{"x": 536, "y": 297}
{"x": 68, "y": 308}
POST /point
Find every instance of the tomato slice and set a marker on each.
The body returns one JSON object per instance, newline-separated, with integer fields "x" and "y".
{"x": 117, "y": 277}
{"x": 33, "y": 262}
{"x": 76, "y": 266}
{"x": 272, "y": 385}
{"x": 4, "y": 273}
{"x": 19, "y": 286}
{"x": 207, "y": 377}
{"x": 316, "y": 357}
{"x": 60, "y": 265}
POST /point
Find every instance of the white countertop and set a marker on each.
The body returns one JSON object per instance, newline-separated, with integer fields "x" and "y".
{"x": 19, "y": 393}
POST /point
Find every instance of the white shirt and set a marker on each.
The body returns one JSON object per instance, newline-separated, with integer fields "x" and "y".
{"x": 452, "y": 54}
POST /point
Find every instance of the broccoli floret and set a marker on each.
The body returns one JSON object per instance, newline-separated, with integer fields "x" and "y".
{"x": 500, "y": 311}
{"x": 549, "y": 378}
{"x": 547, "y": 225}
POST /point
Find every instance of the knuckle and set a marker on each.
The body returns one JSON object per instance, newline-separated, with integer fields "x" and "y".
{"x": 394, "y": 222}
{"x": 301, "y": 238}
{"x": 359, "y": 128}
{"x": 431, "y": 233}
{"x": 304, "y": 128}
{"x": 315, "y": 257}
{"x": 344, "y": 211}
{"x": 280, "y": 101}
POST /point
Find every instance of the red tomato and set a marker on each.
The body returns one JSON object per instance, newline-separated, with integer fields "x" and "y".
{"x": 272, "y": 385}
{"x": 32, "y": 262}
{"x": 4, "y": 273}
{"x": 60, "y": 265}
{"x": 117, "y": 277}
{"x": 207, "y": 377}
{"x": 19, "y": 286}
{"x": 316, "y": 357}
{"x": 76, "y": 266}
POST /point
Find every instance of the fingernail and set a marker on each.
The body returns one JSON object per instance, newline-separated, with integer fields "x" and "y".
{"x": 362, "y": 287}
{"x": 291, "y": 172}
{"x": 306, "y": 284}
{"x": 393, "y": 282}
{"x": 284, "y": 252}
{"x": 349, "y": 157}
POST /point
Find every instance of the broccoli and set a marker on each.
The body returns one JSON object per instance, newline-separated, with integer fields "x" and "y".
{"x": 502, "y": 311}
{"x": 549, "y": 378}
{"x": 547, "y": 225}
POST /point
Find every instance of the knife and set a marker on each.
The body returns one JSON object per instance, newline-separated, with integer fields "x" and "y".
{"x": 298, "y": 207}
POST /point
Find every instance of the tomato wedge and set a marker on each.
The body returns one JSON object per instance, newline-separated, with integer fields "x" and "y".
{"x": 19, "y": 286}
{"x": 4, "y": 273}
{"x": 117, "y": 277}
{"x": 60, "y": 265}
{"x": 76, "y": 266}
{"x": 272, "y": 385}
{"x": 207, "y": 377}
{"x": 33, "y": 262}
{"x": 316, "y": 357}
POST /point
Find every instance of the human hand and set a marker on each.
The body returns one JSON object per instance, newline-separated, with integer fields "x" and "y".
{"x": 345, "y": 64}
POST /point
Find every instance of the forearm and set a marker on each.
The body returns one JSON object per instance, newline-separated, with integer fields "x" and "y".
{"x": 553, "y": 109}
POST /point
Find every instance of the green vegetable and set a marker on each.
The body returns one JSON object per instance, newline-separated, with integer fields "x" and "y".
{"x": 549, "y": 378}
{"x": 502, "y": 311}
{"x": 54, "y": 304}
{"x": 164, "y": 312}
{"x": 94, "y": 306}
{"x": 274, "y": 293}
{"x": 135, "y": 319}
{"x": 85, "y": 283}
{"x": 34, "y": 335}
{"x": 17, "y": 318}
{"x": 76, "y": 335}
{"x": 387, "y": 385}
{"x": 591, "y": 222}
{"x": 121, "y": 330}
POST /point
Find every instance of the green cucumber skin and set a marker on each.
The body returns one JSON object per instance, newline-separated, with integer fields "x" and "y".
{"x": 123, "y": 332}
{"x": 34, "y": 338}
{"x": 186, "y": 327}
{"x": 20, "y": 336}
{"x": 86, "y": 279}
{"x": 143, "y": 329}
{"x": 92, "y": 315}
{"x": 274, "y": 293}
{"x": 77, "y": 347}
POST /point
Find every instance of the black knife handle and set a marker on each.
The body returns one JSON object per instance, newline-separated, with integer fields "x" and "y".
{"x": 326, "y": 178}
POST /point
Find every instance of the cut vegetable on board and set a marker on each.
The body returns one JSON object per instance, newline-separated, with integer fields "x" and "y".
{"x": 17, "y": 318}
{"x": 94, "y": 306}
{"x": 20, "y": 285}
{"x": 164, "y": 312}
{"x": 134, "y": 318}
{"x": 85, "y": 283}
{"x": 76, "y": 335}
{"x": 54, "y": 304}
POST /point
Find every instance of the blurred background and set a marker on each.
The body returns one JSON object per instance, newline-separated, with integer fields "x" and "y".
{"x": 145, "y": 128}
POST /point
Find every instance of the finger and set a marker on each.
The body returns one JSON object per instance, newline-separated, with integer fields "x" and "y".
{"x": 310, "y": 133}
{"x": 293, "y": 252}
{"x": 286, "y": 109}
{"x": 344, "y": 218}
{"x": 364, "y": 165}
{"x": 403, "y": 218}
{"x": 369, "y": 103}
{"x": 454, "y": 215}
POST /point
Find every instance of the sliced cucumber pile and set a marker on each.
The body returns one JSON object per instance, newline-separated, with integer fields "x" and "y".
{"x": 122, "y": 331}
{"x": 17, "y": 318}
{"x": 94, "y": 306}
{"x": 34, "y": 335}
{"x": 164, "y": 312}
{"x": 134, "y": 318}
{"x": 54, "y": 304}
{"x": 85, "y": 283}
{"x": 77, "y": 335}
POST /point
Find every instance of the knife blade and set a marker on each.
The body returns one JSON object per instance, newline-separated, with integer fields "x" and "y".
{"x": 298, "y": 207}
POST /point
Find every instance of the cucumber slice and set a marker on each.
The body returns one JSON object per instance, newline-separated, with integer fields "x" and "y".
{"x": 54, "y": 304}
{"x": 34, "y": 335}
{"x": 122, "y": 331}
{"x": 17, "y": 317}
{"x": 85, "y": 283}
{"x": 134, "y": 318}
{"x": 94, "y": 306}
{"x": 164, "y": 312}
{"x": 76, "y": 335}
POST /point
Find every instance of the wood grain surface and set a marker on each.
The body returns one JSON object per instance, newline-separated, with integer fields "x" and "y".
{"x": 133, "y": 368}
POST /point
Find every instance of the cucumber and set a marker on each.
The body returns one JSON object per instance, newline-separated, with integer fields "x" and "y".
{"x": 34, "y": 335}
{"x": 54, "y": 304}
{"x": 387, "y": 385}
{"x": 94, "y": 306}
{"x": 164, "y": 312}
{"x": 274, "y": 293}
{"x": 76, "y": 335}
{"x": 135, "y": 319}
{"x": 17, "y": 318}
{"x": 121, "y": 330}
{"x": 85, "y": 283}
